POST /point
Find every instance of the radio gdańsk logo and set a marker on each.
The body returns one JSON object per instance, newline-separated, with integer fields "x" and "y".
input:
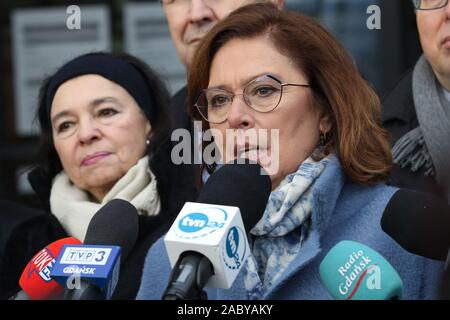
{"x": 233, "y": 251}
{"x": 200, "y": 224}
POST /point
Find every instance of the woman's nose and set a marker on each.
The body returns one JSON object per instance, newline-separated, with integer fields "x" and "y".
{"x": 447, "y": 10}
{"x": 240, "y": 115}
{"x": 88, "y": 131}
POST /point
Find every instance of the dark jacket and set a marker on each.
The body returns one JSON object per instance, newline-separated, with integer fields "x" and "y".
{"x": 179, "y": 111}
{"x": 37, "y": 228}
{"x": 181, "y": 120}
{"x": 399, "y": 117}
{"x": 23, "y": 231}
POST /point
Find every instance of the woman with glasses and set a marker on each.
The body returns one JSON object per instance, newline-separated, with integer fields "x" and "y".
{"x": 262, "y": 69}
{"x": 417, "y": 110}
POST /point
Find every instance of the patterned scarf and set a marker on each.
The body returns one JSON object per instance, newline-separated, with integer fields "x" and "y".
{"x": 277, "y": 238}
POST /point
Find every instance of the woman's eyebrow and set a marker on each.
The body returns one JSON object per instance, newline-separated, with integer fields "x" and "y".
{"x": 247, "y": 80}
{"x": 94, "y": 103}
{"x": 98, "y": 101}
{"x": 61, "y": 114}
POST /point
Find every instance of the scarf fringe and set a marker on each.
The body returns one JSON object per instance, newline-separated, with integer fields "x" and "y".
{"x": 411, "y": 151}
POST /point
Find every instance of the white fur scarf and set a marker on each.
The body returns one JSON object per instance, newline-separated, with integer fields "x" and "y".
{"x": 74, "y": 209}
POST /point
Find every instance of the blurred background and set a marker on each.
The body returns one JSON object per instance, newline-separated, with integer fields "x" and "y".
{"x": 36, "y": 37}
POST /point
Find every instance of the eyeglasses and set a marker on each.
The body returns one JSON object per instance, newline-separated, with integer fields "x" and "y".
{"x": 262, "y": 94}
{"x": 429, "y": 4}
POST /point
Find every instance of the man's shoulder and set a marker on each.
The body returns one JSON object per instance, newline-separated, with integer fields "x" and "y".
{"x": 178, "y": 110}
{"x": 398, "y": 103}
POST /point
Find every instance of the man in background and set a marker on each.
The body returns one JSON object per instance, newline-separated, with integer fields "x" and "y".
{"x": 417, "y": 111}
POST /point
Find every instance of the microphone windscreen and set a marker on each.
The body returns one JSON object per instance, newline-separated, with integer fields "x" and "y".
{"x": 353, "y": 271}
{"x": 245, "y": 186}
{"x": 35, "y": 280}
{"x": 115, "y": 224}
{"x": 419, "y": 223}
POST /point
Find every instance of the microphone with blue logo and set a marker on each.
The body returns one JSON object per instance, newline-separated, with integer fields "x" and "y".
{"x": 353, "y": 271}
{"x": 207, "y": 244}
{"x": 90, "y": 271}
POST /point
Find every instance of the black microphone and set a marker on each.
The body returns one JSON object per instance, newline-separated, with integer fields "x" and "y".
{"x": 115, "y": 224}
{"x": 233, "y": 185}
{"x": 420, "y": 224}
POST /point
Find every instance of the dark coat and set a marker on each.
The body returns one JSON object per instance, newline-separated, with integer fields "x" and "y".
{"x": 181, "y": 120}
{"x": 31, "y": 230}
{"x": 179, "y": 111}
{"x": 23, "y": 231}
{"x": 399, "y": 117}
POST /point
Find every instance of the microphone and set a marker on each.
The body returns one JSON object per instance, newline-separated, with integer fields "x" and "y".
{"x": 95, "y": 265}
{"x": 422, "y": 228}
{"x": 207, "y": 243}
{"x": 35, "y": 281}
{"x": 353, "y": 271}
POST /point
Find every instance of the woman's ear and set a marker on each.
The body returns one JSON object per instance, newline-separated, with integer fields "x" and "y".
{"x": 148, "y": 129}
{"x": 325, "y": 123}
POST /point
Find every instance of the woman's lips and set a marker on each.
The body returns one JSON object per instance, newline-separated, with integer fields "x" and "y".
{"x": 446, "y": 42}
{"x": 94, "y": 158}
{"x": 260, "y": 156}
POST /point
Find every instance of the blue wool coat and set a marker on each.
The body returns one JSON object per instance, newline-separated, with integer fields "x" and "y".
{"x": 341, "y": 210}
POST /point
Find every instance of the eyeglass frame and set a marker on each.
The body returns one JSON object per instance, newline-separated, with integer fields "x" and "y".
{"x": 244, "y": 97}
{"x": 418, "y": 2}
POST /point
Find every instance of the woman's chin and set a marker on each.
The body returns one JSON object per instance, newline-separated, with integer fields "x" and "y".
{"x": 99, "y": 180}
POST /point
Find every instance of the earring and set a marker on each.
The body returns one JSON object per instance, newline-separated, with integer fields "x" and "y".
{"x": 323, "y": 139}
{"x": 320, "y": 152}
{"x": 147, "y": 142}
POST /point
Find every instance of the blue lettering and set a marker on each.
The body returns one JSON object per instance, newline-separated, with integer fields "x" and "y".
{"x": 102, "y": 256}
{"x": 72, "y": 254}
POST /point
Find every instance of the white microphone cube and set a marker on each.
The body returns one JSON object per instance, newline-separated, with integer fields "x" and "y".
{"x": 215, "y": 231}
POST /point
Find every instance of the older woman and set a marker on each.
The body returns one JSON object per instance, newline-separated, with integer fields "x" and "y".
{"x": 266, "y": 69}
{"x": 106, "y": 135}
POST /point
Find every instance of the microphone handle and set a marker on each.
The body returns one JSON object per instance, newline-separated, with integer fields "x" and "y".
{"x": 188, "y": 277}
{"x": 86, "y": 291}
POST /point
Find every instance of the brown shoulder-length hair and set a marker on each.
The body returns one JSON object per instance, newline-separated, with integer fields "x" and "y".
{"x": 353, "y": 107}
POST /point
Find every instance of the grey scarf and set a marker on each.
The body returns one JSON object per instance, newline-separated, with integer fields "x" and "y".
{"x": 427, "y": 146}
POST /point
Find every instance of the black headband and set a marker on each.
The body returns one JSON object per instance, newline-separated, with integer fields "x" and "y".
{"x": 114, "y": 69}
